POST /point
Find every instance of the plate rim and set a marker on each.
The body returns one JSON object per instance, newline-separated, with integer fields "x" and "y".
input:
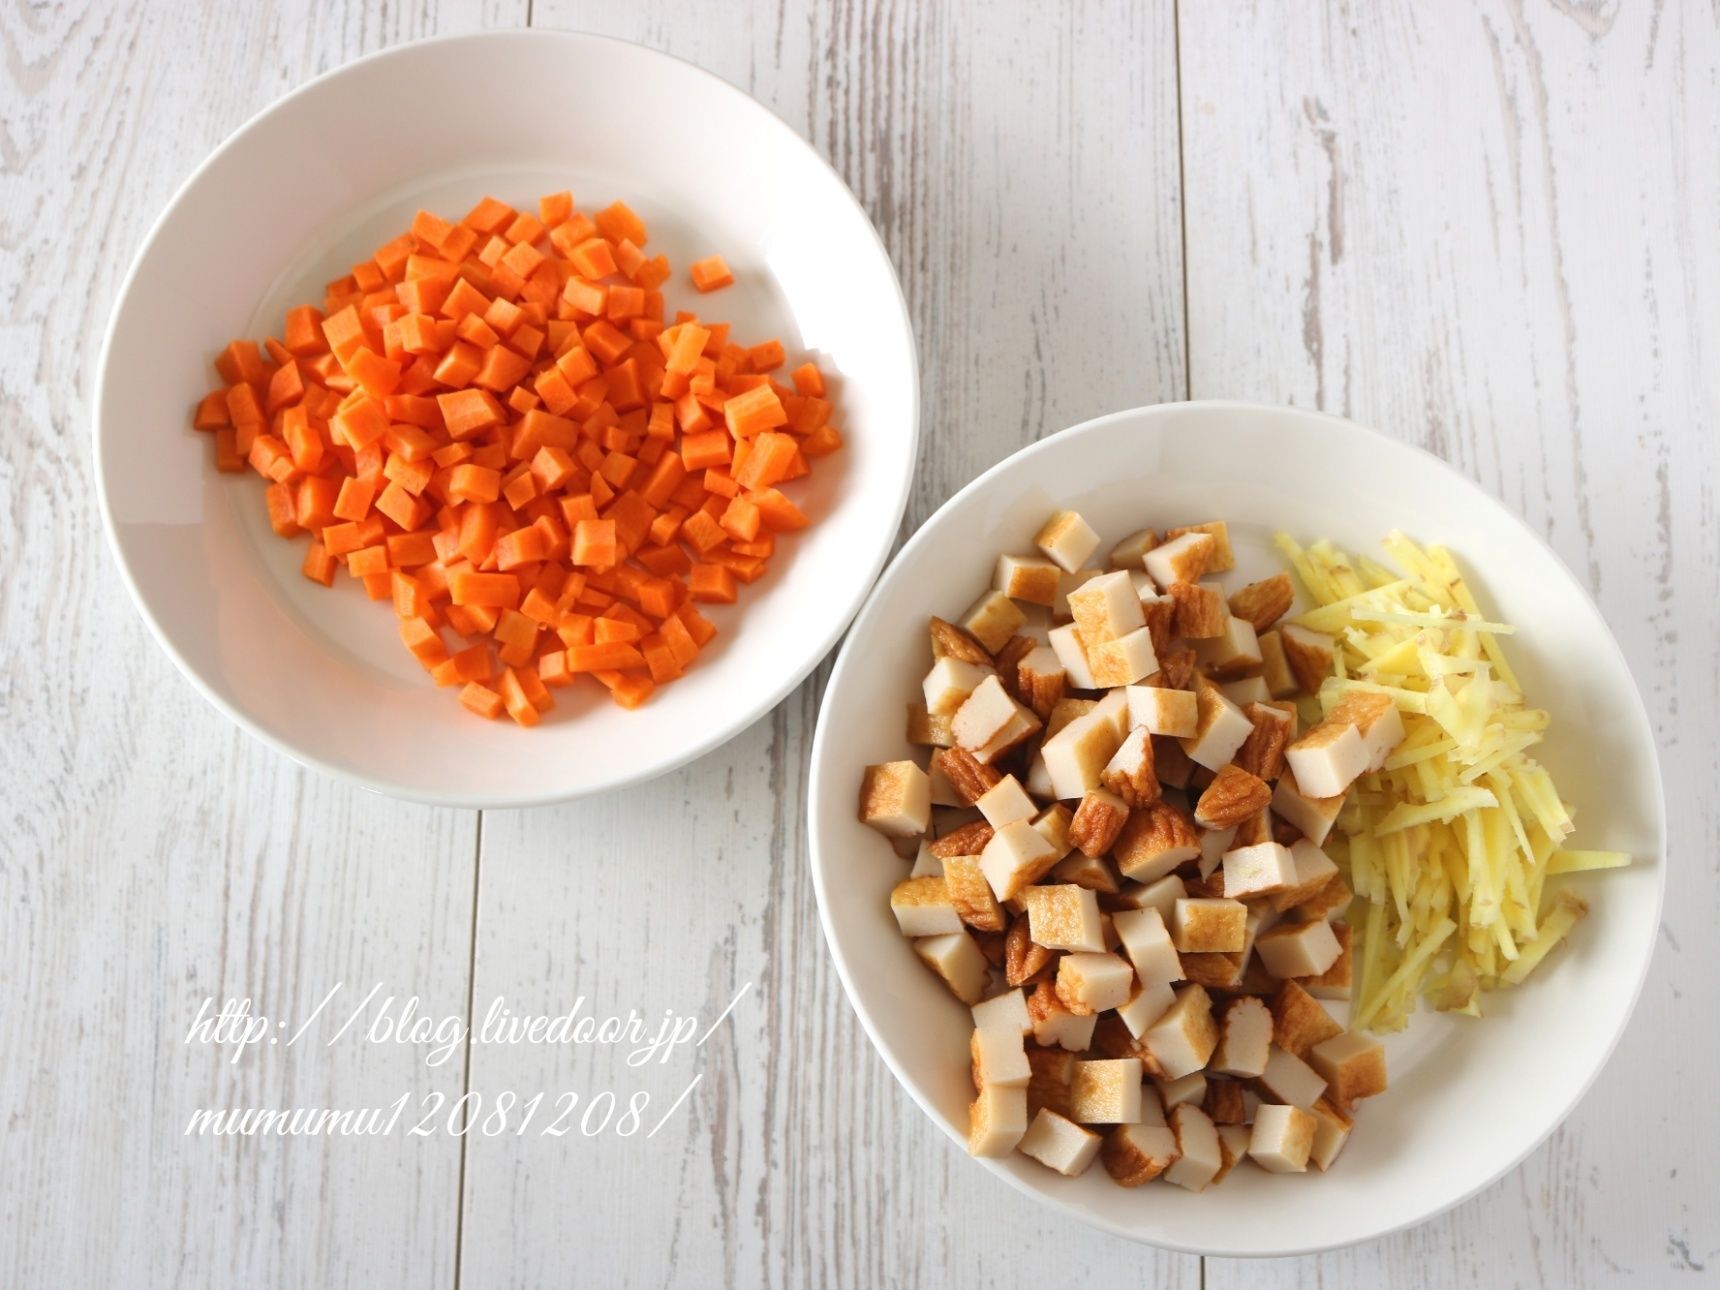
{"x": 816, "y": 823}
{"x": 724, "y": 731}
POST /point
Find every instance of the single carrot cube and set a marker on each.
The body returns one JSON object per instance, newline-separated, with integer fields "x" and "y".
{"x": 711, "y": 273}
{"x": 754, "y": 411}
{"x": 489, "y": 590}
{"x": 482, "y": 700}
{"x": 711, "y": 584}
{"x": 777, "y": 512}
{"x": 514, "y": 698}
{"x": 413, "y": 476}
{"x": 489, "y": 215}
{"x": 360, "y": 422}
{"x": 552, "y": 668}
{"x": 741, "y": 520}
{"x": 766, "y": 357}
{"x": 355, "y": 498}
{"x": 301, "y": 437}
{"x": 402, "y": 507}
{"x": 409, "y": 550}
{"x": 518, "y": 637}
{"x": 629, "y": 689}
{"x": 553, "y": 208}
{"x": 376, "y": 376}
{"x": 593, "y": 258}
{"x": 467, "y": 412}
{"x": 369, "y": 561}
{"x": 594, "y": 543}
{"x": 501, "y": 368}
{"x": 822, "y": 441}
{"x": 303, "y": 333}
{"x": 315, "y": 502}
{"x": 582, "y": 297}
{"x": 808, "y": 380}
{"x": 522, "y": 546}
{"x": 319, "y": 564}
{"x": 476, "y": 332}
{"x": 617, "y": 221}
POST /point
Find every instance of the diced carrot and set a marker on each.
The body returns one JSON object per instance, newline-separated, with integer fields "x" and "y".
{"x": 617, "y": 221}
{"x": 616, "y": 631}
{"x": 360, "y": 423}
{"x": 594, "y": 543}
{"x": 492, "y": 590}
{"x": 413, "y": 476}
{"x": 410, "y": 442}
{"x": 552, "y": 467}
{"x": 319, "y": 565}
{"x": 552, "y": 668}
{"x": 476, "y": 332}
{"x": 701, "y": 451}
{"x": 606, "y": 344}
{"x": 315, "y": 502}
{"x": 766, "y": 357}
{"x": 368, "y": 561}
{"x": 517, "y": 635}
{"x": 524, "y": 227}
{"x": 489, "y": 215}
{"x": 409, "y": 550}
{"x": 375, "y": 375}
{"x": 522, "y": 546}
{"x": 497, "y": 425}
{"x": 302, "y": 333}
{"x": 501, "y": 368}
{"x": 553, "y": 208}
{"x": 286, "y": 386}
{"x": 711, "y": 584}
{"x": 702, "y": 532}
{"x": 228, "y": 459}
{"x": 243, "y": 406}
{"x": 472, "y": 663}
{"x": 821, "y": 442}
{"x": 769, "y": 460}
{"x": 212, "y": 412}
{"x": 469, "y": 483}
{"x": 519, "y": 488}
{"x": 402, "y": 507}
{"x": 302, "y": 439}
{"x": 778, "y": 513}
{"x": 593, "y": 258}
{"x": 482, "y": 700}
{"x": 609, "y": 656}
{"x": 629, "y": 689}
{"x": 711, "y": 272}
{"x": 754, "y": 411}
{"x": 808, "y": 380}
{"x": 242, "y": 360}
{"x": 741, "y": 519}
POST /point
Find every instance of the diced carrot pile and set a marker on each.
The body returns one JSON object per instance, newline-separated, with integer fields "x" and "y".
{"x": 493, "y": 425}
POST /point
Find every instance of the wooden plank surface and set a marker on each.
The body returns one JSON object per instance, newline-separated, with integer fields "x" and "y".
{"x": 152, "y": 854}
{"x": 799, "y": 1161}
{"x": 1487, "y": 229}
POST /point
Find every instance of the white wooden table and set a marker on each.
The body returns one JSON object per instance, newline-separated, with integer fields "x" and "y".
{"x": 1488, "y": 229}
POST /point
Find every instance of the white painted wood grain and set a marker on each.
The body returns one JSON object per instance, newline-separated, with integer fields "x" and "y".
{"x": 152, "y": 854}
{"x": 1487, "y": 229}
{"x": 1038, "y": 299}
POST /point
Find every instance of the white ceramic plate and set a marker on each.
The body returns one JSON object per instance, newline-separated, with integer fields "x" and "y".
{"x": 317, "y": 182}
{"x": 1468, "y": 1099}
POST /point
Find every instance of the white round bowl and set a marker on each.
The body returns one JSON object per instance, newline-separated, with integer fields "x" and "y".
{"x": 321, "y": 179}
{"x": 1468, "y": 1098}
